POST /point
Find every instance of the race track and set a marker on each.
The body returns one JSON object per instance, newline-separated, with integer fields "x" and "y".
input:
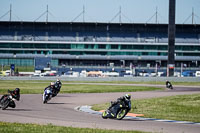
{"x": 60, "y": 111}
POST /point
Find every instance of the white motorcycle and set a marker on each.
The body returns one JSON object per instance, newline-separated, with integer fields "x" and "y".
{"x": 47, "y": 95}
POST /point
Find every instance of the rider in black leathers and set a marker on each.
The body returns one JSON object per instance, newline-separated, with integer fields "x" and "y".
{"x": 15, "y": 94}
{"x": 51, "y": 87}
{"x": 54, "y": 87}
{"x": 168, "y": 84}
{"x": 124, "y": 99}
{"x": 57, "y": 86}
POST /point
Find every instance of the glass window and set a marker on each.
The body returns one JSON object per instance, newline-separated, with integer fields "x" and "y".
{"x": 89, "y": 46}
{"x": 54, "y": 62}
{"x": 27, "y": 46}
{"x": 65, "y": 46}
{"x": 4, "y": 45}
{"x": 114, "y": 46}
{"x": 40, "y": 45}
{"x": 4, "y": 61}
{"x": 138, "y": 47}
{"x": 102, "y": 46}
{"x": 73, "y": 46}
{"x": 52, "y": 46}
{"x": 15, "y": 45}
{"x": 80, "y": 46}
{"x": 161, "y": 47}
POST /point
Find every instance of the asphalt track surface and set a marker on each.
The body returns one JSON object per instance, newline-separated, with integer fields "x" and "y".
{"x": 60, "y": 111}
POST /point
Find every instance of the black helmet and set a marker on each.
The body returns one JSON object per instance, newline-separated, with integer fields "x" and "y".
{"x": 17, "y": 90}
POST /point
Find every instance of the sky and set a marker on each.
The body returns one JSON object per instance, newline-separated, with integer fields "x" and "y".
{"x": 132, "y": 11}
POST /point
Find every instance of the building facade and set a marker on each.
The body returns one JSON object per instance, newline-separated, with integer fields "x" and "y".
{"x": 97, "y": 44}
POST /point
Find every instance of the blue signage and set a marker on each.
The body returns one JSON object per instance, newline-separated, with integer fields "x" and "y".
{"x": 12, "y": 67}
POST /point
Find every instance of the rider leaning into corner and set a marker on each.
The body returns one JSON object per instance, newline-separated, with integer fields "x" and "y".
{"x": 51, "y": 87}
{"x": 168, "y": 84}
{"x": 54, "y": 87}
{"x": 15, "y": 95}
{"x": 58, "y": 85}
{"x": 126, "y": 98}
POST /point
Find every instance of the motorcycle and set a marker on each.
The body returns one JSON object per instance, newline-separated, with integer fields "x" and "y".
{"x": 170, "y": 86}
{"x": 47, "y": 95}
{"x": 7, "y": 101}
{"x": 118, "y": 111}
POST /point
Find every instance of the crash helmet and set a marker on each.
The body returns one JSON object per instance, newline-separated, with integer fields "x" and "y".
{"x": 128, "y": 96}
{"x": 17, "y": 90}
{"x": 58, "y": 80}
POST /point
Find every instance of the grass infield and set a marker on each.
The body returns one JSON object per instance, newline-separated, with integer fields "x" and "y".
{"x": 181, "y": 108}
{"x": 35, "y": 128}
{"x": 37, "y": 87}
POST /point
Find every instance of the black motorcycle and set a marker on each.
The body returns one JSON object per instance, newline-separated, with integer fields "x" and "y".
{"x": 169, "y": 86}
{"x": 118, "y": 111}
{"x": 7, "y": 101}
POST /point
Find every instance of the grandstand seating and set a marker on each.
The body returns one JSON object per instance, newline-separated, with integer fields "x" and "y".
{"x": 148, "y": 37}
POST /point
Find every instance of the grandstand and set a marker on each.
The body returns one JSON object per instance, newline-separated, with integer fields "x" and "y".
{"x": 90, "y": 45}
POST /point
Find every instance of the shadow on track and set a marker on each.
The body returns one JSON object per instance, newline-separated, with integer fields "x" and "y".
{"x": 126, "y": 119}
{"x": 58, "y": 103}
{"x": 63, "y": 96}
{"x": 178, "y": 89}
{"x": 19, "y": 109}
{"x": 131, "y": 120}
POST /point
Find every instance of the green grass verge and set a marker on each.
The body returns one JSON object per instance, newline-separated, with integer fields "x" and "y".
{"x": 37, "y": 87}
{"x": 121, "y": 82}
{"x": 144, "y": 82}
{"x": 182, "y": 107}
{"x": 35, "y": 128}
{"x": 132, "y": 82}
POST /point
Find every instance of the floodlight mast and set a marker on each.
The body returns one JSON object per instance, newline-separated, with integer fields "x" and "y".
{"x": 47, "y": 14}
{"x": 171, "y": 38}
{"x": 10, "y": 12}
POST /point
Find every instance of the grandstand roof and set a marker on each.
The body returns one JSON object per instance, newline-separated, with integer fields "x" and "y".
{"x": 89, "y": 26}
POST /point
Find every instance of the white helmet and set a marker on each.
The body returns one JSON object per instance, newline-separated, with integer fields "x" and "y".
{"x": 128, "y": 96}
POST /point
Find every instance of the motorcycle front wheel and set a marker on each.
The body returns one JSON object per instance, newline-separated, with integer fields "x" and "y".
{"x": 5, "y": 104}
{"x": 44, "y": 99}
{"x": 104, "y": 115}
{"x": 121, "y": 114}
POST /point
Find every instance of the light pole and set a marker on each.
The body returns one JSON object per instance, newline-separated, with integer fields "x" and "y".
{"x": 171, "y": 38}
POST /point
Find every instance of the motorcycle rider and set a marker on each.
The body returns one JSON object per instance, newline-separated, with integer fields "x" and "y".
{"x": 15, "y": 95}
{"x": 124, "y": 99}
{"x": 51, "y": 87}
{"x": 168, "y": 84}
{"x": 57, "y": 86}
